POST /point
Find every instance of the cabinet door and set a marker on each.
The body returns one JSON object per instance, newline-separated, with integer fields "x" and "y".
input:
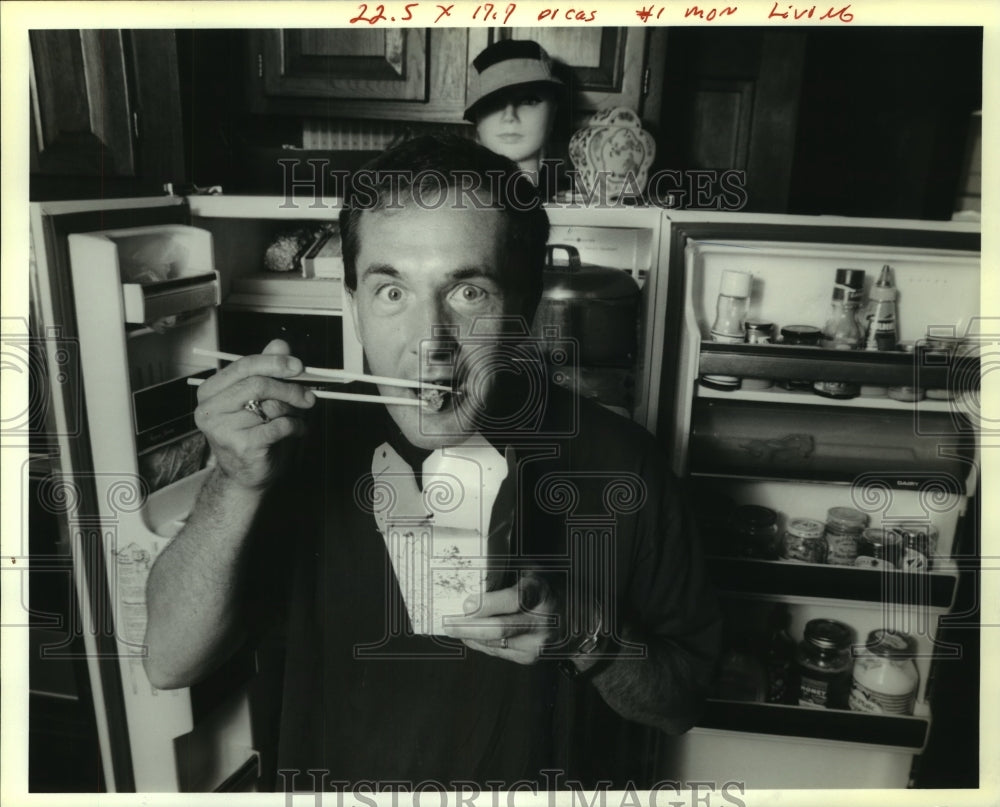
{"x": 81, "y": 115}
{"x": 402, "y": 74}
{"x": 105, "y": 113}
{"x": 608, "y": 64}
{"x": 337, "y": 63}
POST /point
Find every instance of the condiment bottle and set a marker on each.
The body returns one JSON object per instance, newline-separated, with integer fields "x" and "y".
{"x": 880, "y": 324}
{"x": 880, "y": 332}
{"x": 755, "y": 532}
{"x": 823, "y": 659}
{"x": 779, "y": 658}
{"x": 842, "y": 331}
{"x": 877, "y": 544}
{"x": 800, "y": 336}
{"x": 758, "y": 333}
{"x": 844, "y": 526}
{"x": 919, "y": 544}
{"x": 803, "y": 541}
{"x": 730, "y": 315}
{"x": 885, "y": 677}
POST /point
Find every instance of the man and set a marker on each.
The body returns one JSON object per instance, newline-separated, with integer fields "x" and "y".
{"x": 591, "y": 563}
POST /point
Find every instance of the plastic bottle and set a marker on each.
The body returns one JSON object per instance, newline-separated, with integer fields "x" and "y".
{"x": 880, "y": 333}
{"x": 730, "y": 316}
{"x": 842, "y": 331}
{"x": 880, "y": 323}
{"x": 885, "y": 677}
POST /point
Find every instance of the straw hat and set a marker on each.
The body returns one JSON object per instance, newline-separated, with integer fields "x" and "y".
{"x": 509, "y": 63}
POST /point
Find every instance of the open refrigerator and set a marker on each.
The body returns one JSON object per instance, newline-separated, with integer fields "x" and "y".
{"x": 121, "y": 293}
{"x": 775, "y": 444}
{"x": 122, "y": 290}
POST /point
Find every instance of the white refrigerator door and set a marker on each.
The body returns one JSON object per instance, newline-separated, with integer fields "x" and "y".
{"x": 151, "y": 740}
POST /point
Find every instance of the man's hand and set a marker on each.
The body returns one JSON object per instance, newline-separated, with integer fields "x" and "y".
{"x": 512, "y": 623}
{"x": 248, "y": 450}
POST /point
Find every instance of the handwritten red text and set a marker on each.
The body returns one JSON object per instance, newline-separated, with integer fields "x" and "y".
{"x": 795, "y": 13}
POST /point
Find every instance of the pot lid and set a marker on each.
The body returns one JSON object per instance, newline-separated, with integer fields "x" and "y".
{"x": 577, "y": 281}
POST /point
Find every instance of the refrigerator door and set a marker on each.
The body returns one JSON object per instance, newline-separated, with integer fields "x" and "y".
{"x": 799, "y": 454}
{"x": 132, "y": 285}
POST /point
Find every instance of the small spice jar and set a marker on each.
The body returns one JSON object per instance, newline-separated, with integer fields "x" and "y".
{"x": 755, "y": 532}
{"x": 758, "y": 333}
{"x": 801, "y": 336}
{"x": 879, "y": 544}
{"x": 919, "y": 541}
{"x": 844, "y": 526}
{"x": 885, "y": 677}
{"x": 937, "y": 352}
{"x": 824, "y": 664}
{"x": 804, "y": 541}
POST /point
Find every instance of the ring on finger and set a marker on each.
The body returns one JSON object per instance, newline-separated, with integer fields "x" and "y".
{"x": 504, "y": 644}
{"x": 256, "y": 406}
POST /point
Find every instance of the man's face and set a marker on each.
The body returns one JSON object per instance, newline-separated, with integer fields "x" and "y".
{"x": 420, "y": 269}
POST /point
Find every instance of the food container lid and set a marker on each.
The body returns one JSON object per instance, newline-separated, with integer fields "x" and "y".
{"x": 828, "y": 633}
{"x": 868, "y": 562}
{"x": 914, "y": 529}
{"x": 799, "y": 334}
{"x": 806, "y": 527}
{"x": 735, "y": 284}
{"x": 578, "y": 281}
{"x": 755, "y": 516}
{"x": 846, "y": 518}
{"x": 877, "y": 536}
{"x": 885, "y": 642}
{"x": 759, "y": 325}
{"x": 851, "y": 278}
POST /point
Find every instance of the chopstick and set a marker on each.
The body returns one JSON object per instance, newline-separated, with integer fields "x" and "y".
{"x": 324, "y": 374}
{"x": 343, "y": 396}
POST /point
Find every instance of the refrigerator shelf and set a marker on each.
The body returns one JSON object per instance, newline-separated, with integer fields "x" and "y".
{"x": 890, "y": 368}
{"x": 816, "y": 724}
{"x": 935, "y": 589}
{"x": 777, "y": 395}
{"x": 904, "y": 450}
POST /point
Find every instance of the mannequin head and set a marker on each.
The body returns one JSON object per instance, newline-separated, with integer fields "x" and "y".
{"x": 516, "y": 122}
{"x": 514, "y": 98}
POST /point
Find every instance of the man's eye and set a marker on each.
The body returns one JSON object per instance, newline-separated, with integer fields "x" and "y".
{"x": 390, "y": 294}
{"x": 467, "y": 293}
{"x": 529, "y": 100}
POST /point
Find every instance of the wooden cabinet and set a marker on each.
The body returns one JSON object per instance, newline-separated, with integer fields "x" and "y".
{"x": 402, "y": 74}
{"x": 608, "y": 67}
{"x": 422, "y": 74}
{"x": 105, "y": 113}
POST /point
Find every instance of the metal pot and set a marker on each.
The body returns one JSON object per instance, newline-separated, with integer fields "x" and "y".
{"x": 596, "y": 305}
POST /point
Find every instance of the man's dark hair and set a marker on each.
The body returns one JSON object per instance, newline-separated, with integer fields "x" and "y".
{"x": 419, "y": 171}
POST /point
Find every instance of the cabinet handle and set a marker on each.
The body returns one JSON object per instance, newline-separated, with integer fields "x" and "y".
{"x": 135, "y": 125}
{"x": 645, "y": 81}
{"x": 260, "y": 65}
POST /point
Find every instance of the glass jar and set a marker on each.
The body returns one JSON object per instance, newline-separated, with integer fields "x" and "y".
{"x": 758, "y": 333}
{"x": 881, "y": 545}
{"x": 844, "y": 526}
{"x": 885, "y": 677}
{"x": 842, "y": 330}
{"x": 800, "y": 336}
{"x": 823, "y": 659}
{"x": 804, "y": 541}
{"x": 919, "y": 541}
{"x": 755, "y": 532}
